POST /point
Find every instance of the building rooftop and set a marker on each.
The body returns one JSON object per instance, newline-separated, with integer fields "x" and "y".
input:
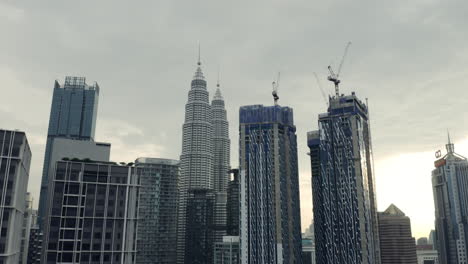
{"x": 157, "y": 161}
{"x": 393, "y": 210}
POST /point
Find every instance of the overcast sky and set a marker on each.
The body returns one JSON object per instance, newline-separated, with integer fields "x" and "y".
{"x": 408, "y": 57}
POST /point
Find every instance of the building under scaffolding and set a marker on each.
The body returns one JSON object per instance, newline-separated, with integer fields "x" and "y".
{"x": 345, "y": 216}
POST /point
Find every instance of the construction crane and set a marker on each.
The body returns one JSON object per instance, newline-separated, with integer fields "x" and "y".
{"x": 321, "y": 88}
{"x": 275, "y": 85}
{"x": 334, "y": 77}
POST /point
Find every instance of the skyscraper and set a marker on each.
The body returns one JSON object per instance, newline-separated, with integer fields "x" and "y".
{"x": 227, "y": 251}
{"x": 397, "y": 246}
{"x": 157, "y": 223}
{"x": 232, "y": 223}
{"x": 196, "y": 160}
{"x": 450, "y": 187}
{"x": 15, "y": 159}
{"x": 29, "y": 220}
{"x": 221, "y": 158}
{"x": 345, "y": 210}
{"x": 221, "y": 142}
{"x": 73, "y": 116}
{"x": 199, "y": 236}
{"x": 270, "y": 224}
{"x": 92, "y": 214}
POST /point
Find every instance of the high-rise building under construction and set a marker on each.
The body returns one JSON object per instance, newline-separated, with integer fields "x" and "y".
{"x": 345, "y": 211}
{"x": 270, "y": 222}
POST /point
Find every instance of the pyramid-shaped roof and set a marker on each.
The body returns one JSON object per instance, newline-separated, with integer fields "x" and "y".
{"x": 393, "y": 210}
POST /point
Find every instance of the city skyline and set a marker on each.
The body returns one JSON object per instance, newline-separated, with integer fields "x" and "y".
{"x": 399, "y": 138}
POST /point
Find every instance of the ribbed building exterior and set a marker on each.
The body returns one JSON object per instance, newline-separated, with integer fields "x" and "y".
{"x": 270, "y": 223}
{"x": 450, "y": 187}
{"x": 221, "y": 159}
{"x": 221, "y": 143}
{"x": 157, "y": 224}
{"x": 345, "y": 210}
{"x": 72, "y": 115}
{"x": 15, "y": 160}
{"x": 196, "y": 160}
{"x": 92, "y": 214}
{"x": 397, "y": 246}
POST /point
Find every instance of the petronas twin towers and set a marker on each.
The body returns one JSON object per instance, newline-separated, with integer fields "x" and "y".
{"x": 204, "y": 162}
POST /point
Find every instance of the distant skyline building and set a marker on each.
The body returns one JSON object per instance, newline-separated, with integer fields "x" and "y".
{"x": 343, "y": 187}
{"x": 221, "y": 159}
{"x": 200, "y": 234}
{"x": 308, "y": 251}
{"x": 233, "y": 204}
{"x": 196, "y": 159}
{"x": 427, "y": 256}
{"x": 227, "y": 251}
{"x": 15, "y": 161}
{"x": 270, "y": 222}
{"x": 397, "y": 245}
{"x": 35, "y": 245}
{"x": 221, "y": 142}
{"x": 72, "y": 115}
{"x": 450, "y": 187}
{"x": 157, "y": 223}
{"x": 432, "y": 238}
{"x": 422, "y": 241}
{"x": 92, "y": 214}
{"x": 29, "y": 221}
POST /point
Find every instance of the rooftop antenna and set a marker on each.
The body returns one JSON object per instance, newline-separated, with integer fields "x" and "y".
{"x": 275, "y": 85}
{"x": 321, "y": 88}
{"x": 334, "y": 77}
{"x": 450, "y": 146}
{"x": 199, "y": 61}
{"x": 217, "y": 84}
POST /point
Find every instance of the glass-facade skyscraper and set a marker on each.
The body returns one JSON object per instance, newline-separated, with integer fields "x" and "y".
{"x": 15, "y": 160}
{"x": 157, "y": 223}
{"x": 345, "y": 210}
{"x": 72, "y": 115}
{"x": 270, "y": 221}
{"x": 450, "y": 187}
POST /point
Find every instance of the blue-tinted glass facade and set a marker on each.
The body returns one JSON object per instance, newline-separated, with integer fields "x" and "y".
{"x": 345, "y": 216}
{"x": 270, "y": 211}
{"x": 72, "y": 115}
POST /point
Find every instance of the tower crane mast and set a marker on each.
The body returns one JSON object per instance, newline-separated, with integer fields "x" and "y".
{"x": 275, "y": 85}
{"x": 334, "y": 77}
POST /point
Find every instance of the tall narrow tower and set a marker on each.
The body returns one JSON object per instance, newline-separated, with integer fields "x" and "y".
{"x": 196, "y": 160}
{"x": 450, "y": 187}
{"x": 221, "y": 142}
{"x": 270, "y": 220}
{"x": 345, "y": 209}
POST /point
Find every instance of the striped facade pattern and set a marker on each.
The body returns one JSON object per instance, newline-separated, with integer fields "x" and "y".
{"x": 345, "y": 211}
{"x": 15, "y": 160}
{"x": 196, "y": 160}
{"x": 270, "y": 210}
{"x": 92, "y": 214}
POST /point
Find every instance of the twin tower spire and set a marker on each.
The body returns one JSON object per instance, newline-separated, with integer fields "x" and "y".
{"x": 199, "y": 76}
{"x": 204, "y": 166}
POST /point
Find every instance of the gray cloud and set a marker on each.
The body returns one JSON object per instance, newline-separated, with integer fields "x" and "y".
{"x": 408, "y": 58}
